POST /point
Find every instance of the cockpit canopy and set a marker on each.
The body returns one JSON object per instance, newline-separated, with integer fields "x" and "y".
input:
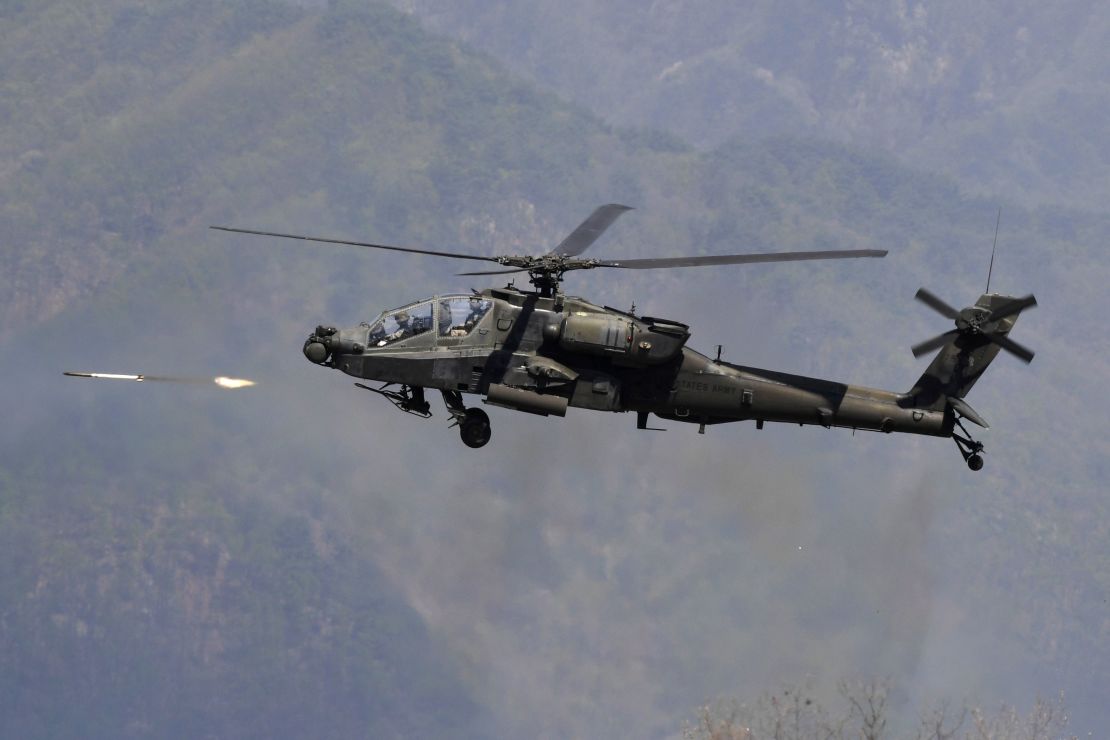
{"x": 453, "y": 316}
{"x": 459, "y": 314}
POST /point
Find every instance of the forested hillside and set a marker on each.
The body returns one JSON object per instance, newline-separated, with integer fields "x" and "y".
{"x": 296, "y": 559}
{"x": 1010, "y": 98}
{"x": 144, "y": 599}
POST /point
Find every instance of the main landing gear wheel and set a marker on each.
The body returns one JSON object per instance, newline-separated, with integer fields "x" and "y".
{"x": 969, "y": 448}
{"x": 474, "y": 428}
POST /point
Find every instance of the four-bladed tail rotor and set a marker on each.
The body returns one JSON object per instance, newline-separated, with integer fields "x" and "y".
{"x": 976, "y": 321}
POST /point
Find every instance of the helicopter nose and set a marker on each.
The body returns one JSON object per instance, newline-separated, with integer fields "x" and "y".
{"x": 315, "y": 351}
{"x": 318, "y": 346}
{"x": 328, "y": 342}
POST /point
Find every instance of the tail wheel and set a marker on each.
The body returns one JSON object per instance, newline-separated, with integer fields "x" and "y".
{"x": 968, "y": 447}
{"x": 475, "y": 428}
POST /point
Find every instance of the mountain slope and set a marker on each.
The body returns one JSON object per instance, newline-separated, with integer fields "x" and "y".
{"x": 1007, "y": 98}
{"x": 145, "y": 600}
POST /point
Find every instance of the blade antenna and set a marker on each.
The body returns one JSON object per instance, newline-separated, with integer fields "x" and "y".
{"x": 990, "y": 269}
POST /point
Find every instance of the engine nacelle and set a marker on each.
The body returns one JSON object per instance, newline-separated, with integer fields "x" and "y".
{"x": 660, "y": 340}
{"x": 624, "y": 339}
{"x": 596, "y": 334}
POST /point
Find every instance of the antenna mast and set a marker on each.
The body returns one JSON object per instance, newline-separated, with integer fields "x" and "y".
{"x": 993, "y": 246}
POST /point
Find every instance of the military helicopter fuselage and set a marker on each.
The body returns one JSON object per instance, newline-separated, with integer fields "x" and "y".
{"x": 542, "y": 351}
{"x": 542, "y": 354}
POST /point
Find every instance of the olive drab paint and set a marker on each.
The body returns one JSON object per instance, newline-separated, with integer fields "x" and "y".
{"x": 542, "y": 351}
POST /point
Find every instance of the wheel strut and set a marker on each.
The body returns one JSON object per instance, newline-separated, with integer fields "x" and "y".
{"x": 474, "y": 426}
{"x": 969, "y": 448}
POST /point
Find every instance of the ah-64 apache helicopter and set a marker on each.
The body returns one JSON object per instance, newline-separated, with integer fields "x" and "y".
{"x": 542, "y": 351}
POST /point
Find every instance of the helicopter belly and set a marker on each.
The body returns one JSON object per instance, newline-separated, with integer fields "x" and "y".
{"x": 597, "y": 391}
{"x": 463, "y": 373}
{"x": 412, "y": 368}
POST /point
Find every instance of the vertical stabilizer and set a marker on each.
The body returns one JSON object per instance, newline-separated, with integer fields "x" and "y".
{"x": 981, "y": 331}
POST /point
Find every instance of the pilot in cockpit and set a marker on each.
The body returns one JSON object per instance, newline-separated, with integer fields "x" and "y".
{"x": 458, "y": 315}
{"x": 448, "y": 327}
{"x": 404, "y": 327}
{"x": 478, "y": 308}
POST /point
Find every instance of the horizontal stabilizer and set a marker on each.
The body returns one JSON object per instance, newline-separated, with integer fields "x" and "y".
{"x": 963, "y": 408}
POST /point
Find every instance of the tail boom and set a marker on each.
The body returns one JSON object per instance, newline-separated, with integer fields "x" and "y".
{"x": 712, "y": 392}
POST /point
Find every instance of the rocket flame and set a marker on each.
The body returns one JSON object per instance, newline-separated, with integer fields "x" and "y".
{"x": 221, "y": 381}
{"x": 233, "y": 382}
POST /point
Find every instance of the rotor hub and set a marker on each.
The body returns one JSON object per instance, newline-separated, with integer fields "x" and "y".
{"x": 972, "y": 319}
{"x": 545, "y": 272}
{"x": 987, "y": 322}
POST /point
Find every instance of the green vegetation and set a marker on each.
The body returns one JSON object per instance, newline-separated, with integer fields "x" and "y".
{"x": 146, "y": 599}
{"x": 863, "y": 711}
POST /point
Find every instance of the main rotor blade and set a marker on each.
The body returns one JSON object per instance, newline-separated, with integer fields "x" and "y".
{"x": 930, "y": 344}
{"x": 936, "y": 304}
{"x": 589, "y": 230}
{"x": 432, "y": 252}
{"x": 1022, "y": 353}
{"x": 1009, "y": 309}
{"x": 492, "y": 272}
{"x": 739, "y": 259}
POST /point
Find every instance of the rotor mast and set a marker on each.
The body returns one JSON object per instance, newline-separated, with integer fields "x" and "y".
{"x": 545, "y": 282}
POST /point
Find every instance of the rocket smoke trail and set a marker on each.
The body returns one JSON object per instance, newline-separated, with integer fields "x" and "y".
{"x": 221, "y": 381}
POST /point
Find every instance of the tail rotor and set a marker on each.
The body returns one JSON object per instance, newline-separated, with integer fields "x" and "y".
{"x": 965, "y": 352}
{"x": 976, "y": 321}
